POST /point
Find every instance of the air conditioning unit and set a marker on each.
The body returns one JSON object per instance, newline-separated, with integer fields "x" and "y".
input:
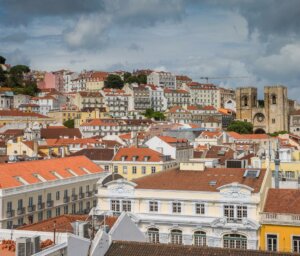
{"x": 23, "y": 246}
{"x": 35, "y": 244}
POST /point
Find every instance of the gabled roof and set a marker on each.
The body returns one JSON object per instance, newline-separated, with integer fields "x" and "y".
{"x": 172, "y": 140}
{"x": 139, "y": 154}
{"x": 283, "y": 201}
{"x": 199, "y": 180}
{"x": 96, "y": 154}
{"x": 16, "y": 113}
{"x": 13, "y": 174}
{"x": 238, "y": 136}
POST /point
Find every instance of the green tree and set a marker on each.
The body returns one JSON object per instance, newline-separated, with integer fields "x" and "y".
{"x": 158, "y": 116}
{"x": 19, "y": 69}
{"x": 240, "y": 127}
{"x": 126, "y": 76}
{"x": 69, "y": 123}
{"x": 2, "y": 60}
{"x": 114, "y": 81}
{"x": 142, "y": 78}
{"x": 2, "y": 76}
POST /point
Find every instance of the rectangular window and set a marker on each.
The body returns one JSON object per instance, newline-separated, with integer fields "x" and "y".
{"x": 124, "y": 169}
{"x": 73, "y": 208}
{"x": 40, "y": 216}
{"x": 115, "y": 205}
{"x": 176, "y": 207}
{"x": 116, "y": 169}
{"x": 30, "y": 201}
{"x": 40, "y": 199}
{"x": 133, "y": 169}
{"x": 65, "y": 193}
{"x": 20, "y": 203}
{"x": 153, "y": 169}
{"x": 49, "y": 197}
{"x": 9, "y": 206}
{"x": 66, "y": 209}
{"x": 200, "y": 208}
{"x": 153, "y": 206}
{"x": 143, "y": 169}
{"x": 57, "y": 195}
{"x": 241, "y": 212}
{"x": 106, "y": 168}
{"x": 272, "y": 243}
{"x": 229, "y": 212}
{"x": 273, "y": 121}
{"x": 57, "y": 211}
{"x": 296, "y": 244}
{"x": 49, "y": 214}
{"x": 126, "y": 205}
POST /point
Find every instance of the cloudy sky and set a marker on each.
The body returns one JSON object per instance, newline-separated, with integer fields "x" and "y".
{"x": 259, "y": 39}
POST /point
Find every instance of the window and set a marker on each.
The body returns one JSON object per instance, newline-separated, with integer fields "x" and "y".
{"x": 200, "y": 238}
{"x": 9, "y": 224}
{"x": 153, "y": 169}
{"x": 143, "y": 169}
{"x": 241, "y": 212}
{"x": 229, "y": 212}
{"x": 176, "y": 236}
{"x": 133, "y": 169}
{"x": 40, "y": 199}
{"x": 272, "y": 243}
{"x": 65, "y": 193}
{"x": 49, "y": 214}
{"x": 66, "y": 209}
{"x": 9, "y": 206}
{"x": 73, "y": 208}
{"x": 126, "y": 206}
{"x": 176, "y": 207}
{"x": 106, "y": 168}
{"x": 274, "y": 99}
{"x": 273, "y": 121}
{"x": 153, "y": 206}
{"x": 20, "y": 203}
{"x": 20, "y": 221}
{"x": 30, "y": 201}
{"x": 153, "y": 235}
{"x": 200, "y": 208}
{"x": 235, "y": 241}
{"x": 40, "y": 216}
{"x": 115, "y": 205}
{"x": 116, "y": 169}
{"x": 81, "y": 206}
{"x": 57, "y": 195}
{"x": 124, "y": 169}
{"x": 245, "y": 101}
{"x": 296, "y": 244}
{"x": 57, "y": 211}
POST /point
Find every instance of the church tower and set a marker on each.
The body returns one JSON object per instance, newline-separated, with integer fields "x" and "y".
{"x": 246, "y": 102}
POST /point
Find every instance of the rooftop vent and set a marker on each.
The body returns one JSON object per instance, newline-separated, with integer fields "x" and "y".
{"x": 251, "y": 173}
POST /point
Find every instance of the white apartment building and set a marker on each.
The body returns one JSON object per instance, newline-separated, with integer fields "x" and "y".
{"x": 204, "y": 94}
{"x": 46, "y": 104}
{"x": 162, "y": 79}
{"x": 68, "y": 80}
{"x": 33, "y": 191}
{"x": 214, "y": 207}
{"x": 158, "y": 101}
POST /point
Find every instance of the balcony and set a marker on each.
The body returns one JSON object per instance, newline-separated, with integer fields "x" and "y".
{"x": 74, "y": 197}
{"x": 10, "y": 213}
{"x": 81, "y": 195}
{"x": 21, "y": 211}
{"x": 88, "y": 193}
{"x": 50, "y": 203}
{"x": 280, "y": 218}
{"x": 41, "y": 206}
{"x": 31, "y": 208}
{"x": 66, "y": 199}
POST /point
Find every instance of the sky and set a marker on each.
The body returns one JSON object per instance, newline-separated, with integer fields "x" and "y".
{"x": 258, "y": 40}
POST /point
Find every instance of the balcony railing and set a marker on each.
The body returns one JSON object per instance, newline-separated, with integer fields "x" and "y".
{"x": 74, "y": 197}
{"x": 41, "y": 206}
{"x": 21, "y": 211}
{"x": 10, "y": 213}
{"x": 81, "y": 195}
{"x": 280, "y": 218}
{"x": 66, "y": 199}
{"x": 31, "y": 208}
{"x": 50, "y": 203}
{"x": 88, "y": 193}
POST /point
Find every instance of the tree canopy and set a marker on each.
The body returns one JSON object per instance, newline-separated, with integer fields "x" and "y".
{"x": 158, "y": 116}
{"x": 114, "y": 81}
{"x": 139, "y": 79}
{"x": 2, "y": 60}
{"x": 69, "y": 123}
{"x": 240, "y": 127}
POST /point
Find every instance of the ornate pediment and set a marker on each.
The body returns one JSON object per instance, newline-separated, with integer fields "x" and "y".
{"x": 235, "y": 191}
{"x": 121, "y": 188}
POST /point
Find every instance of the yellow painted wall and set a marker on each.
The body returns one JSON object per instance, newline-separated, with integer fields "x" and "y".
{"x": 284, "y": 234}
{"x": 285, "y": 166}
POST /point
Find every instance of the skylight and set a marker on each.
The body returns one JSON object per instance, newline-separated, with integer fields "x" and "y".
{"x": 252, "y": 173}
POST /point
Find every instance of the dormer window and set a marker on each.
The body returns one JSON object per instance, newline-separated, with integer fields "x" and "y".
{"x": 134, "y": 158}
{"x": 123, "y": 158}
{"x": 146, "y": 158}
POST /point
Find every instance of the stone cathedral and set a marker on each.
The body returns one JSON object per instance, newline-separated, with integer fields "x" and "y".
{"x": 268, "y": 115}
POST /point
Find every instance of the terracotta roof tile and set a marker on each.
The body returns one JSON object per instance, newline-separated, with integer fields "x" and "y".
{"x": 283, "y": 201}
{"x": 16, "y": 113}
{"x": 198, "y": 180}
{"x": 27, "y": 170}
{"x": 57, "y": 132}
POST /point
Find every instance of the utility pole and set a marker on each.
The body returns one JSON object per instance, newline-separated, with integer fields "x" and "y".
{"x": 277, "y": 164}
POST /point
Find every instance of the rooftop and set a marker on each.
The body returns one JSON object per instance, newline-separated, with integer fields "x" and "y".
{"x": 199, "y": 180}
{"x": 32, "y": 172}
{"x": 57, "y": 132}
{"x": 14, "y": 113}
{"x": 96, "y": 154}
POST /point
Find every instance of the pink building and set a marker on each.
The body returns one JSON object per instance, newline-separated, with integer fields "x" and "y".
{"x": 48, "y": 82}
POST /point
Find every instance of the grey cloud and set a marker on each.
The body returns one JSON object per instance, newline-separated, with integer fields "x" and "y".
{"x": 15, "y": 38}
{"x": 135, "y": 47}
{"x": 17, "y": 57}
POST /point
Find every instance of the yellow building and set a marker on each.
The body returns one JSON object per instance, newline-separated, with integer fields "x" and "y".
{"x": 96, "y": 81}
{"x": 22, "y": 148}
{"x": 60, "y": 116}
{"x": 280, "y": 221}
{"x": 136, "y": 162}
{"x": 95, "y": 113}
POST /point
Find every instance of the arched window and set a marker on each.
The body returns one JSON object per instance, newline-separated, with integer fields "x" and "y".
{"x": 245, "y": 101}
{"x": 153, "y": 235}
{"x": 235, "y": 241}
{"x": 274, "y": 99}
{"x": 200, "y": 238}
{"x": 176, "y": 236}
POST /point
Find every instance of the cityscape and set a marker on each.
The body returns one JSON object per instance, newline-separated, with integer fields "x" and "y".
{"x": 149, "y": 128}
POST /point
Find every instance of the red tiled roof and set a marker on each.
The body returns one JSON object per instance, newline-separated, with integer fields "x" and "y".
{"x": 210, "y": 134}
{"x": 238, "y": 136}
{"x": 63, "y": 141}
{"x": 139, "y": 153}
{"x": 54, "y": 132}
{"x": 169, "y": 139}
{"x": 16, "y": 113}
{"x": 199, "y": 180}
{"x": 27, "y": 170}
{"x": 283, "y": 201}
{"x": 99, "y": 122}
